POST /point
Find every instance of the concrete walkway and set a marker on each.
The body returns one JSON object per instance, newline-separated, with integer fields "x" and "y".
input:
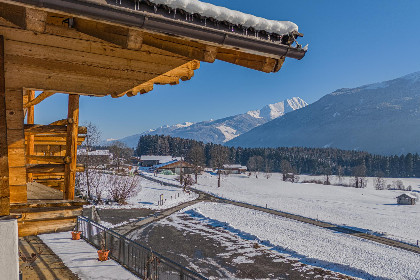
{"x": 207, "y": 197}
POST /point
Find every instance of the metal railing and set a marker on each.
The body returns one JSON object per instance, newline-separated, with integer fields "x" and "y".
{"x": 138, "y": 259}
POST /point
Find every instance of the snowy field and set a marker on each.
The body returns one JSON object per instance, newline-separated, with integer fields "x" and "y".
{"x": 366, "y": 209}
{"x": 146, "y": 194}
{"x": 81, "y": 258}
{"x": 151, "y": 192}
{"x": 308, "y": 244}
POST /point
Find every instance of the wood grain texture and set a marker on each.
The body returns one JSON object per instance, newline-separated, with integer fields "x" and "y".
{"x": 16, "y": 146}
{"x": 71, "y": 147}
{"x": 30, "y": 139}
{"x": 4, "y": 161}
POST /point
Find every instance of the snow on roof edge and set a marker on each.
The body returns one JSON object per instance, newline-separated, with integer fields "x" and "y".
{"x": 231, "y": 16}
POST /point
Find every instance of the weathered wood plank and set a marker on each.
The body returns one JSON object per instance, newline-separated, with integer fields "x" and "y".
{"x": 54, "y": 159}
{"x": 88, "y": 50}
{"x": 48, "y": 213}
{"x": 4, "y": 161}
{"x": 48, "y": 226}
{"x": 45, "y": 168}
{"x": 71, "y": 148}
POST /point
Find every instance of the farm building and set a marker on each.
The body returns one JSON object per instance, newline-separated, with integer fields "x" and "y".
{"x": 175, "y": 166}
{"x": 234, "y": 169}
{"x": 103, "y": 48}
{"x": 149, "y": 161}
{"x": 406, "y": 199}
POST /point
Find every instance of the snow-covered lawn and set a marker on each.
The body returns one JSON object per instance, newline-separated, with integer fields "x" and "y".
{"x": 81, "y": 258}
{"x": 367, "y": 209}
{"x": 310, "y": 244}
{"x": 146, "y": 194}
{"x": 151, "y": 192}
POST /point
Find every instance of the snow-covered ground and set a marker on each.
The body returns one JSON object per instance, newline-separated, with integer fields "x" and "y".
{"x": 366, "y": 209}
{"x": 81, "y": 258}
{"x": 146, "y": 194}
{"x": 151, "y": 192}
{"x": 309, "y": 244}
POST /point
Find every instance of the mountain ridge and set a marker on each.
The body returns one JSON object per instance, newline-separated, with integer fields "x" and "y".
{"x": 222, "y": 130}
{"x": 381, "y": 118}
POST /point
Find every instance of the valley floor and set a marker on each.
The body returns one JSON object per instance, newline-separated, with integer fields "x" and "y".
{"x": 370, "y": 210}
{"x": 226, "y": 241}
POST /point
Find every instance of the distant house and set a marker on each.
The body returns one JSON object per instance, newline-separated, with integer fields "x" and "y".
{"x": 149, "y": 161}
{"x": 175, "y": 166}
{"x": 234, "y": 168}
{"x": 406, "y": 199}
{"x": 98, "y": 156}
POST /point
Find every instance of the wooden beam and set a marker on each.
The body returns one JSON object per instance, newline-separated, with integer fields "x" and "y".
{"x": 42, "y": 96}
{"x": 183, "y": 72}
{"x": 54, "y": 159}
{"x": 192, "y": 50}
{"x": 30, "y": 138}
{"x": 45, "y": 168}
{"x": 51, "y": 170}
{"x": 4, "y": 161}
{"x": 71, "y": 147}
{"x": 47, "y": 129}
{"x": 24, "y": 17}
{"x": 35, "y": 20}
{"x": 81, "y": 65}
{"x": 60, "y": 122}
{"x": 127, "y": 38}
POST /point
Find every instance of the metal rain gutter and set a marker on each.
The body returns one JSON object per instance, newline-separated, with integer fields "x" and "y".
{"x": 166, "y": 26}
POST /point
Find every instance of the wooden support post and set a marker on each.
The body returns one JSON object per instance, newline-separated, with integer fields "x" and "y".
{"x": 30, "y": 146}
{"x": 16, "y": 145}
{"x": 4, "y": 162}
{"x": 71, "y": 146}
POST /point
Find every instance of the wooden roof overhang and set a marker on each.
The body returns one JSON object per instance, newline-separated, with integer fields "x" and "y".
{"x": 117, "y": 48}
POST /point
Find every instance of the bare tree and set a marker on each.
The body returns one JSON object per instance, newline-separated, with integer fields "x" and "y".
{"x": 287, "y": 170}
{"x": 398, "y": 185}
{"x": 268, "y": 168}
{"x": 196, "y": 157}
{"x": 255, "y": 163}
{"x": 379, "y": 181}
{"x": 92, "y": 139}
{"x": 327, "y": 173}
{"x": 219, "y": 157}
{"x": 340, "y": 174}
{"x": 359, "y": 173}
{"x": 122, "y": 188}
{"x": 120, "y": 153}
{"x": 188, "y": 182}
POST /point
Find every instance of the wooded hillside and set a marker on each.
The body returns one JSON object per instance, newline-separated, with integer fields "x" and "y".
{"x": 313, "y": 161}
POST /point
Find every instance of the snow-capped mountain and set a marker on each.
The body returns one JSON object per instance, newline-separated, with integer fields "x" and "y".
{"x": 382, "y": 118}
{"x": 222, "y": 130}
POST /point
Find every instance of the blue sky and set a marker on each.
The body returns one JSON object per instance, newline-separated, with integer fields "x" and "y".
{"x": 351, "y": 43}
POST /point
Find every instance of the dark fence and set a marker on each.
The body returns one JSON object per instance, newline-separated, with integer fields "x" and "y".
{"x": 140, "y": 260}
